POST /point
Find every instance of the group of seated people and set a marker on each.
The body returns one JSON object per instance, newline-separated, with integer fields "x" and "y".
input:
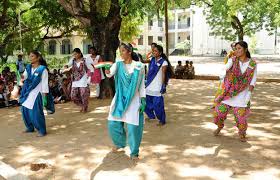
{"x": 60, "y": 86}
{"x": 9, "y": 90}
{"x": 185, "y": 71}
{"x": 10, "y": 86}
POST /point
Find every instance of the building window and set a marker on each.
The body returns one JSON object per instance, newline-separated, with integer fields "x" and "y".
{"x": 160, "y": 38}
{"x": 66, "y": 47}
{"x": 150, "y": 22}
{"x": 52, "y": 47}
{"x": 150, "y": 40}
{"x": 141, "y": 40}
{"x": 189, "y": 21}
{"x": 160, "y": 22}
{"x": 86, "y": 46}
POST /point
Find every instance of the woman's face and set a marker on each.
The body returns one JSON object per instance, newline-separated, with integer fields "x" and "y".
{"x": 156, "y": 52}
{"x": 33, "y": 58}
{"x": 77, "y": 55}
{"x": 92, "y": 51}
{"x": 125, "y": 54}
{"x": 240, "y": 51}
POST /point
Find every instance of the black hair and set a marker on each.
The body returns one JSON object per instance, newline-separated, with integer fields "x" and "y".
{"x": 127, "y": 47}
{"x": 179, "y": 62}
{"x": 19, "y": 56}
{"x": 169, "y": 67}
{"x": 154, "y": 44}
{"x": 245, "y": 46}
{"x": 191, "y": 62}
{"x": 94, "y": 49}
{"x": 187, "y": 62}
{"x": 7, "y": 69}
{"x": 42, "y": 61}
{"x": 2, "y": 82}
{"x": 78, "y": 50}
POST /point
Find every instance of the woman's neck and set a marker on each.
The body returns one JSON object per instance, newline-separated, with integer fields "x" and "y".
{"x": 243, "y": 58}
{"x": 158, "y": 57}
{"x": 128, "y": 61}
{"x": 35, "y": 65}
{"x": 78, "y": 59}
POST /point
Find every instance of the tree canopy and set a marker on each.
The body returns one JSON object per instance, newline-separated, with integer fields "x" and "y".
{"x": 237, "y": 18}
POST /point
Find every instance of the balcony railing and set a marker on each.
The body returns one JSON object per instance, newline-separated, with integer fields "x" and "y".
{"x": 183, "y": 25}
{"x": 171, "y": 26}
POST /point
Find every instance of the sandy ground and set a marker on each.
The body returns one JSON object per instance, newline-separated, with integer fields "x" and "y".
{"x": 78, "y": 146}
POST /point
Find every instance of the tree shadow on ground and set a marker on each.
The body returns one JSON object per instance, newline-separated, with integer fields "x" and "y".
{"x": 79, "y": 147}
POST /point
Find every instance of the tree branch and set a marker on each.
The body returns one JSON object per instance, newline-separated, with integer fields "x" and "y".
{"x": 207, "y": 3}
{"x": 74, "y": 8}
{"x": 62, "y": 34}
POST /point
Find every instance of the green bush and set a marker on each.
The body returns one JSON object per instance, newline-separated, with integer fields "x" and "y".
{"x": 57, "y": 63}
{"x": 12, "y": 66}
{"x": 53, "y": 63}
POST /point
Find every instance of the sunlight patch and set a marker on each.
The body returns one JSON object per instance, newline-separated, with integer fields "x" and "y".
{"x": 200, "y": 151}
{"x": 271, "y": 173}
{"x": 202, "y": 171}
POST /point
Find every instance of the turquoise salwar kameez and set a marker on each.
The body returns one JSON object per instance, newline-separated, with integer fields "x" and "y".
{"x": 130, "y": 88}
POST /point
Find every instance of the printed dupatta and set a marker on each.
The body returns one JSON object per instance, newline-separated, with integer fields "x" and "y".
{"x": 236, "y": 82}
{"x": 78, "y": 72}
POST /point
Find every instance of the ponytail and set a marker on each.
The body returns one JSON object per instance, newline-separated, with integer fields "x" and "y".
{"x": 170, "y": 72}
{"x": 248, "y": 54}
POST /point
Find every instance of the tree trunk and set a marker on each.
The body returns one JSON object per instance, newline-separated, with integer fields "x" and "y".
{"x": 240, "y": 36}
{"x": 105, "y": 34}
{"x": 236, "y": 24}
{"x": 106, "y": 41}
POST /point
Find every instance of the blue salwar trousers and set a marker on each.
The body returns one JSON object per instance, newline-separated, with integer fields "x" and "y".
{"x": 34, "y": 118}
{"x": 155, "y": 108}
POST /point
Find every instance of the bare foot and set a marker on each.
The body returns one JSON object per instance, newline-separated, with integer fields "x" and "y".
{"x": 116, "y": 150}
{"x": 160, "y": 124}
{"x": 41, "y": 135}
{"x": 149, "y": 120}
{"x": 242, "y": 138}
{"x": 217, "y": 131}
{"x": 135, "y": 159}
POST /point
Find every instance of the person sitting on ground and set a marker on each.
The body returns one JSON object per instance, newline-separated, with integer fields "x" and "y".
{"x": 65, "y": 90}
{"x": 12, "y": 93}
{"x": 3, "y": 95}
{"x": 179, "y": 71}
{"x": 55, "y": 91}
{"x": 192, "y": 72}
{"x": 187, "y": 70}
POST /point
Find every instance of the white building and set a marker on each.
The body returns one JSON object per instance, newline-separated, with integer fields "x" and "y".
{"x": 190, "y": 24}
{"x": 184, "y": 25}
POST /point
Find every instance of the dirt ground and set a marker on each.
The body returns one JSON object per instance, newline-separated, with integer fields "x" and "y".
{"x": 78, "y": 147}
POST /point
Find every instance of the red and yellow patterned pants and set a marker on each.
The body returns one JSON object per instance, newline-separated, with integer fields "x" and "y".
{"x": 241, "y": 115}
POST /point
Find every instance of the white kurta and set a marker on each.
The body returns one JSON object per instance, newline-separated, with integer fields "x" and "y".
{"x": 42, "y": 87}
{"x": 94, "y": 62}
{"x": 83, "y": 82}
{"x": 154, "y": 88}
{"x": 131, "y": 116}
{"x": 240, "y": 99}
